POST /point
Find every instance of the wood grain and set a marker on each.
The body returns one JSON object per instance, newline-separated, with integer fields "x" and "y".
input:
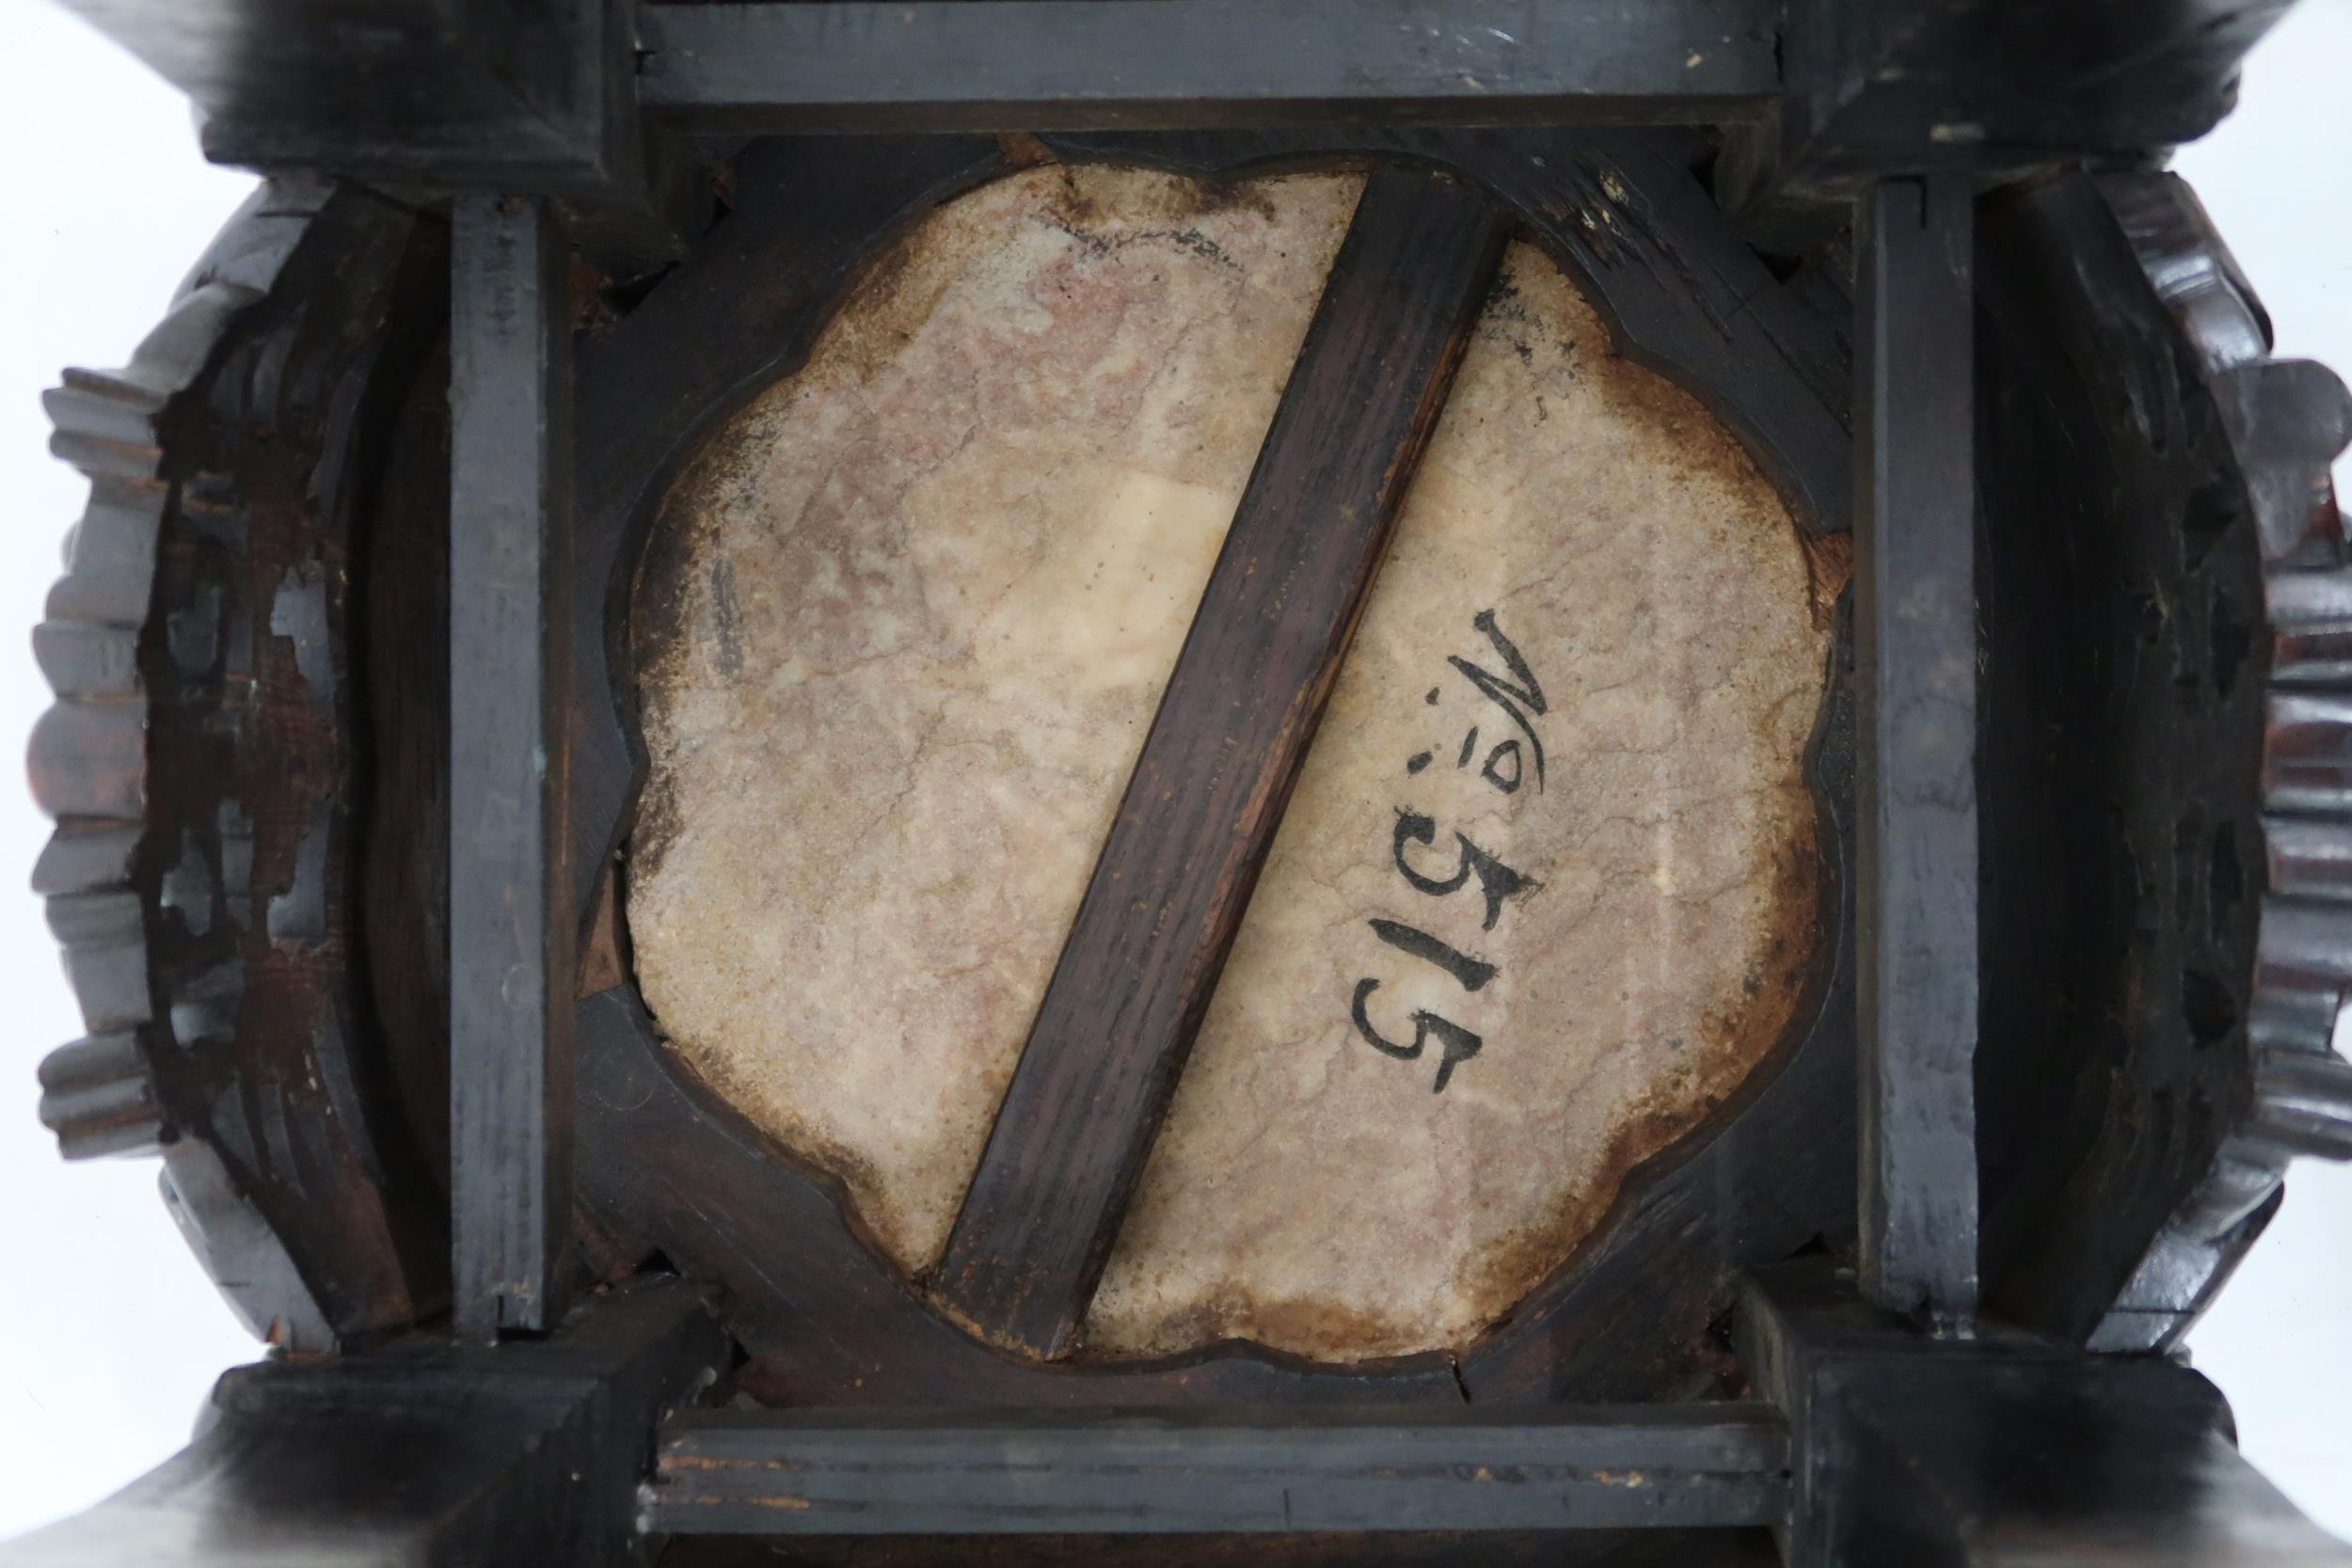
{"x": 1208, "y": 790}
{"x": 1257, "y": 1471}
{"x": 1911, "y": 1452}
{"x": 512, "y": 927}
{"x": 1915, "y": 790}
{"x": 2124, "y": 931}
{"x": 202, "y": 876}
{"x": 1585, "y": 1548}
{"x": 1035, "y": 65}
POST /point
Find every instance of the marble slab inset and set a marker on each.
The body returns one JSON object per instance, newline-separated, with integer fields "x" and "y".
{"x": 1544, "y": 896}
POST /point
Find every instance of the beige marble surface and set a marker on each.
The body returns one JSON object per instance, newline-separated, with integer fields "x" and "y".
{"x": 905, "y": 622}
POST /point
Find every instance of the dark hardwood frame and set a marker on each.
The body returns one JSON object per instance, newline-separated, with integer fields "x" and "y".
{"x": 249, "y": 1008}
{"x": 1721, "y": 1464}
{"x": 1915, "y": 475}
{"x": 666, "y": 1166}
{"x": 512, "y": 934}
{"x": 1049, "y": 65}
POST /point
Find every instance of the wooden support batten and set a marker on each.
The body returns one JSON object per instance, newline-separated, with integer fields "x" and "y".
{"x": 1915, "y": 783}
{"x": 1068, "y": 65}
{"x": 949, "y": 1472}
{"x": 512, "y": 928}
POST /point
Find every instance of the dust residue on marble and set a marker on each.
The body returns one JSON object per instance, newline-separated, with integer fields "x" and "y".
{"x": 903, "y": 628}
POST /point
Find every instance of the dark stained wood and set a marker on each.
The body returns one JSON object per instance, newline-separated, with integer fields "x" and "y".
{"x": 498, "y": 95}
{"x": 2006, "y": 1452}
{"x": 665, "y": 1166}
{"x": 1257, "y": 1471}
{"x": 88, "y": 757}
{"x": 1032, "y": 65}
{"x": 422, "y": 1451}
{"x": 1915, "y": 790}
{"x": 253, "y": 850}
{"x": 1885, "y": 87}
{"x": 1590, "y": 1549}
{"x": 2122, "y": 733}
{"x": 98, "y": 1096}
{"x": 210, "y": 780}
{"x": 1215, "y": 771}
{"x": 512, "y": 917}
{"x": 255, "y": 609}
{"x": 400, "y": 658}
{"x": 2159, "y": 912}
{"x": 87, "y": 762}
{"x": 202, "y": 878}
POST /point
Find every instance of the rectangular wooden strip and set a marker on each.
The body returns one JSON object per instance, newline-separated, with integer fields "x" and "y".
{"x": 1063, "y": 65}
{"x": 1916, "y": 654}
{"x": 972, "y": 1473}
{"x": 512, "y": 930}
{"x": 1177, "y": 868}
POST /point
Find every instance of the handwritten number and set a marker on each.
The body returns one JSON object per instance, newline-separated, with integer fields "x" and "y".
{"x": 1505, "y": 769}
{"x": 1506, "y": 696}
{"x": 1469, "y": 972}
{"x": 1496, "y": 880}
{"x": 1458, "y": 1044}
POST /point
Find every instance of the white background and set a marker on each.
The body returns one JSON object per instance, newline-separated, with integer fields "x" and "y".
{"x": 109, "y": 1334}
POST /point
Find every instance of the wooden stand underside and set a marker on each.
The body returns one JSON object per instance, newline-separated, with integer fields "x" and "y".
{"x": 701, "y": 1186}
{"x": 2079, "y": 777}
